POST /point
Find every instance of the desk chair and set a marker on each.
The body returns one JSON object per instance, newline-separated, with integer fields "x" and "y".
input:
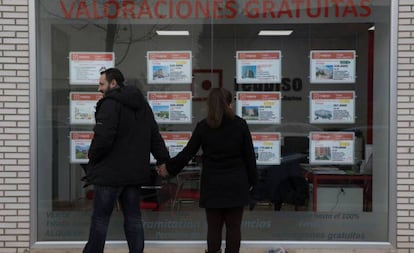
{"x": 157, "y": 193}
{"x": 188, "y": 188}
{"x": 156, "y": 197}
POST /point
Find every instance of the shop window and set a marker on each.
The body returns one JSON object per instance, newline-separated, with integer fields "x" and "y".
{"x": 331, "y": 132}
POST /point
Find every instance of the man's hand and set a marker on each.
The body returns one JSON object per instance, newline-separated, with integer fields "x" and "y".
{"x": 162, "y": 170}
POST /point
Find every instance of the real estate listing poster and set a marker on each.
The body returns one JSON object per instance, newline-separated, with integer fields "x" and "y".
{"x": 82, "y": 107}
{"x": 329, "y": 107}
{"x": 169, "y": 67}
{"x": 266, "y": 147}
{"x": 85, "y": 67}
{"x": 258, "y": 66}
{"x": 259, "y": 107}
{"x": 80, "y": 141}
{"x": 175, "y": 142}
{"x": 332, "y": 66}
{"x": 331, "y": 148}
{"x": 171, "y": 106}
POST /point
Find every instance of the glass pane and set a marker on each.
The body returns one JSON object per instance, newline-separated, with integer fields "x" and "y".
{"x": 294, "y": 200}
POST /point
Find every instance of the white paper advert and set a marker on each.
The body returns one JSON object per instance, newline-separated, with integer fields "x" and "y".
{"x": 266, "y": 147}
{"x": 175, "y": 142}
{"x": 328, "y": 66}
{"x": 171, "y": 107}
{"x": 82, "y": 107}
{"x": 329, "y": 107}
{"x": 258, "y": 66}
{"x": 85, "y": 67}
{"x": 164, "y": 67}
{"x": 80, "y": 141}
{"x": 259, "y": 107}
{"x": 331, "y": 148}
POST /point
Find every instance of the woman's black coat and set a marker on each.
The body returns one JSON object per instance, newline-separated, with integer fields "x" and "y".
{"x": 228, "y": 162}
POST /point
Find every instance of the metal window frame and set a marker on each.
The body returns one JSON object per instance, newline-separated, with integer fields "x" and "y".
{"x": 392, "y": 233}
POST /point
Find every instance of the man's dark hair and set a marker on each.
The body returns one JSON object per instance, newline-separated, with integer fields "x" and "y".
{"x": 114, "y": 74}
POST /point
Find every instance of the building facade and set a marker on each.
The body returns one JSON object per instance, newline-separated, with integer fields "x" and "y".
{"x": 39, "y": 171}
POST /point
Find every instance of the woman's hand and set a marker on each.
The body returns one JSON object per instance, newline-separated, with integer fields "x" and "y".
{"x": 162, "y": 170}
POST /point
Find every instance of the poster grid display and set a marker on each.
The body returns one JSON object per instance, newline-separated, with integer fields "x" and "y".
{"x": 85, "y": 67}
{"x": 332, "y": 66}
{"x": 266, "y": 147}
{"x": 171, "y": 107}
{"x": 259, "y": 107}
{"x": 175, "y": 142}
{"x": 258, "y": 66}
{"x": 169, "y": 67}
{"x": 332, "y": 148}
{"x": 330, "y": 107}
{"x": 82, "y": 107}
{"x": 80, "y": 141}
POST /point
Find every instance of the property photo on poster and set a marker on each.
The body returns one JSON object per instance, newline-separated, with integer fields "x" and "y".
{"x": 85, "y": 67}
{"x": 175, "y": 142}
{"x": 169, "y": 67}
{"x": 332, "y": 66}
{"x": 80, "y": 141}
{"x": 258, "y": 66}
{"x": 330, "y": 107}
{"x": 331, "y": 147}
{"x": 171, "y": 107}
{"x": 259, "y": 107}
{"x": 266, "y": 147}
{"x": 82, "y": 107}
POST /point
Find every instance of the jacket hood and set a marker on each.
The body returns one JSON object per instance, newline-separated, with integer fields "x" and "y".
{"x": 129, "y": 96}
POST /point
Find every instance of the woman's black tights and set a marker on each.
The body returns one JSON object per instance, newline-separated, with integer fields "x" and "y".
{"x": 216, "y": 218}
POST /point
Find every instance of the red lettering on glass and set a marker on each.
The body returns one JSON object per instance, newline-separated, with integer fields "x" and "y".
{"x": 255, "y": 10}
{"x": 82, "y": 10}
{"x": 171, "y": 8}
{"x": 202, "y": 11}
{"x": 309, "y": 10}
{"x": 95, "y": 11}
{"x": 284, "y": 9}
{"x": 269, "y": 7}
{"x": 364, "y": 6}
{"x": 326, "y": 8}
{"x": 67, "y": 14}
{"x": 230, "y": 7}
{"x": 107, "y": 9}
{"x": 336, "y": 4}
{"x": 350, "y": 9}
{"x": 144, "y": 9}
{"x": 128, "y": 9}
{"x": 182, "y": 14}
{"x": 157, "y": 7}
{"x": 298, "y": 4}
{"x": 217, "y": 9}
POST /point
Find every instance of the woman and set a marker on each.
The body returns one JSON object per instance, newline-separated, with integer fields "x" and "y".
{"x": 229, "y": 169}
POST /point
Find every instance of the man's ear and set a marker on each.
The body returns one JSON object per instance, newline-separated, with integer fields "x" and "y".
{"x": 113, "y": 84}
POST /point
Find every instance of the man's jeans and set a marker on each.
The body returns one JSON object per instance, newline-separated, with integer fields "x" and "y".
{"x": 105, "y": 198}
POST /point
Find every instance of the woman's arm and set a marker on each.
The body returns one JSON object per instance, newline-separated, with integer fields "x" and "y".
{"x": 249, "y": 155}
{"x": 177, "y": 163}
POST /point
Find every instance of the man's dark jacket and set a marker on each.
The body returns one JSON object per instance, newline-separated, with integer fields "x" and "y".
{"x": 124, "y": 135}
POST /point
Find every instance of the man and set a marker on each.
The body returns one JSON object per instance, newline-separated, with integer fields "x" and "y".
{"x": 124, "y": 135}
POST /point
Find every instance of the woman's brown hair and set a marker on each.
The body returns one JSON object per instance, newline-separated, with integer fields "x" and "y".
{"x": 218, "y": 105}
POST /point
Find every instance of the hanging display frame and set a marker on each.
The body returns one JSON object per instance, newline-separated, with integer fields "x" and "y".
{"x": 263, "y": 66}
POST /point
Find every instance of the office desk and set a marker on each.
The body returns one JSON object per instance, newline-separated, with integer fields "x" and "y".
{"x": 364, "y": 181}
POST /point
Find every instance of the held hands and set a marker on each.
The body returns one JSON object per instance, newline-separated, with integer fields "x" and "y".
{"x": 162, "y": 170}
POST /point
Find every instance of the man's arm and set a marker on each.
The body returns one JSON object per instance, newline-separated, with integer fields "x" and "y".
{"x": 105, "y": 130}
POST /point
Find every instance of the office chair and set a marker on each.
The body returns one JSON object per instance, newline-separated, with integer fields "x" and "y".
{"x": 188, "y": 188}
